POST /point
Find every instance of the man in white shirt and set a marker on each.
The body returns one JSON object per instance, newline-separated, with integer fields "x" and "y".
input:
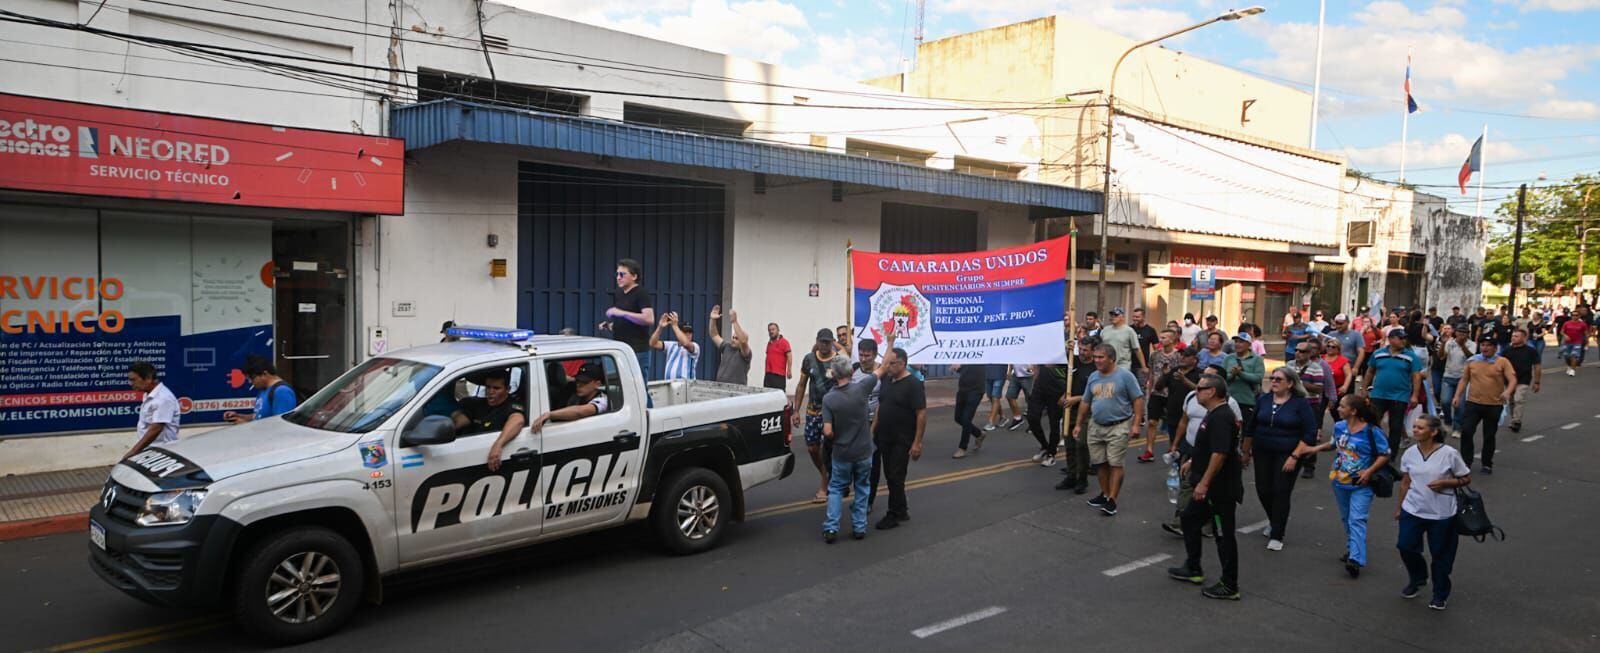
{"x": 158, "y": 413}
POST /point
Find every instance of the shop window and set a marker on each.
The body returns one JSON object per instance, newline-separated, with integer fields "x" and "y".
{"x": 86, "y": 293}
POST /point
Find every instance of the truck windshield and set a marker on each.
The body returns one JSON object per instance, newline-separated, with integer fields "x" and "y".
{"x": 364, "y": 397}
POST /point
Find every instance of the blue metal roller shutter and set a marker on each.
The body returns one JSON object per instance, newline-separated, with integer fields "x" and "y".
{"x": 574, "y": 224}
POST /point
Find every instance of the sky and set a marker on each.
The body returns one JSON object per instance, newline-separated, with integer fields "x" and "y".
{"x": 1528, "y": 69}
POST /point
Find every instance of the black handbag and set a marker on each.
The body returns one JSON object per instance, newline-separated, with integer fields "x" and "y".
{"x": 1382, "y": 481}
{"x": 1471, "y": 518}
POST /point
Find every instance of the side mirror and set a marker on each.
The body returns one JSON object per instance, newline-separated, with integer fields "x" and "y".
{"x": 433, "y": 429}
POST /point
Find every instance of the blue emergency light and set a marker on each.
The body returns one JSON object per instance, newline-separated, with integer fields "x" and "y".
{"x": 489, "y": 333}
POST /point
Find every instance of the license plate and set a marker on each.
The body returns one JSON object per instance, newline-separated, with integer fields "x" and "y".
{"x": 97, "y": 534}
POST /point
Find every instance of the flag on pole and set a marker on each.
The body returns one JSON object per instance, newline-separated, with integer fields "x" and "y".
{"x": 1474, "y": 163}
{"x": 1411, "y": 102}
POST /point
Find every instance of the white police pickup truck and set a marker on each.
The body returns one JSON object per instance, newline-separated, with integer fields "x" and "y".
{"x": 292, "y": 521}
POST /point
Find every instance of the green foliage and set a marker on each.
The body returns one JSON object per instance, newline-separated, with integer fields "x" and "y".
{"x": 1549, "y": 236}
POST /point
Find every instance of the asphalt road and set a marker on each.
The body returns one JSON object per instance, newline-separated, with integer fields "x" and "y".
{"x": 993, "y": 559}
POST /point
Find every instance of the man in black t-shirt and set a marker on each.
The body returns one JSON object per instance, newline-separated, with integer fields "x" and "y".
{"x": 897, "y": 431}
{"x": 632, "y": 316}
{"x": 1076, "y": 468}
{"x": 1147, "y": 337}
{"x": 1214, "y": 470}
{"x": 1525, "y": 362}
{"x": 495, "y": 411}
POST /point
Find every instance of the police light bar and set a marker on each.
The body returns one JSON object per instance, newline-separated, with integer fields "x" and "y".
{"x": 489, "y": 333}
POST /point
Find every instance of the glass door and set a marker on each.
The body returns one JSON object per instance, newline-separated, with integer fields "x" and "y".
{"x": 311, "y": 292}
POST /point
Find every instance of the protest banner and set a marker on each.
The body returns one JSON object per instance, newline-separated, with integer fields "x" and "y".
{"x": 998, "y": 306}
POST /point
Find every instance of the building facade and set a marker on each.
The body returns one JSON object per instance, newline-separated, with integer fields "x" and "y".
{"x": 735, "y": 183}
{"x": 1209, "y": 166}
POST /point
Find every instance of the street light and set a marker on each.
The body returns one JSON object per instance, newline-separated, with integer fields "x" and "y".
{"x": 1111, "y": 112}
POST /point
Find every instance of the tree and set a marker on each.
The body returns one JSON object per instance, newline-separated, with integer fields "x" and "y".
{"x": 1555, "y": 217}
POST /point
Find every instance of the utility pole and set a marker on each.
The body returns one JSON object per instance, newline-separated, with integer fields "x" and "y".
{"x": 1516, "y": 246}
{"x": 1583, "y": 234}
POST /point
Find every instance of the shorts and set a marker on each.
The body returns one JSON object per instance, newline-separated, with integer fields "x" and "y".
{"x": 1573, "y": 352}
{"x": 1108, "y": 443}
{"x": 995, "y": 388}
{"x": 1157, "y": 407}
{"x": 813, "y": 431}
{"x": 1018, "y": 386}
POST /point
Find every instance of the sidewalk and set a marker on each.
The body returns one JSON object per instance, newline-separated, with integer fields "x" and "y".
{"x": 48, "y": 503}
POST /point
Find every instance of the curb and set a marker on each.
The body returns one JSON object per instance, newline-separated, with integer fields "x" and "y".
{"x": 18, "y": 530}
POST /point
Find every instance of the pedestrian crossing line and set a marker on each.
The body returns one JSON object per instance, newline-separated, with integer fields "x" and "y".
{"x": 1569, "y": 427}
{"x": 957, "y": 622}
{"x": 1255, "y": 527}
{"x": 1137, "y": 564}
{"x": 1597, "y": 416}
{"x": 1531, "y": 438}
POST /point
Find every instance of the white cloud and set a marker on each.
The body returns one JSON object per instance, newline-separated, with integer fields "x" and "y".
{"x": 1366, "y": 59}
{"x": 1133, "y": 18}
{"x": 1451, "y": 149}
{"x": 1576, "y": 109}
{"x": 1553, "y": 5}
{"x": 852, "y": 57}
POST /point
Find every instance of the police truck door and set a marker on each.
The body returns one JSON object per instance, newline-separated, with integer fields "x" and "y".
{"x": 448, "y": 502}
{"x": 591, "y": 466}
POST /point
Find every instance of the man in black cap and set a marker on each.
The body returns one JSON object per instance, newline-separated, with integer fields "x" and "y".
{"x": 814, "y": 379}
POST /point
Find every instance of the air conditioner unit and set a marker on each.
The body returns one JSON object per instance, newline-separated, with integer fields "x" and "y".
{"x": 1361, "y": 233}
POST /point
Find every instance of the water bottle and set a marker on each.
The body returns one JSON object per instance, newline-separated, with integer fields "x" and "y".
{"x": 1172, "y": 483}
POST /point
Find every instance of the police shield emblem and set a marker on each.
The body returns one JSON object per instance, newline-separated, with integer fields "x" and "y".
{"x": 373, "y": 455}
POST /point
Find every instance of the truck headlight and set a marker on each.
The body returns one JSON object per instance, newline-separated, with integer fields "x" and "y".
{"x": 170, "y": 508}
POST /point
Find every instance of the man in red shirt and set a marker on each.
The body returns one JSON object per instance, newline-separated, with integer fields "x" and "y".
{"x": 780, "y": 359}
{"x": 1575, "y": 339}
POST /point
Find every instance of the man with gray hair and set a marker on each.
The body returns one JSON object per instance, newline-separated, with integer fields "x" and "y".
{"x": 1115, "y": 405}
{"x": 846, "y": 426}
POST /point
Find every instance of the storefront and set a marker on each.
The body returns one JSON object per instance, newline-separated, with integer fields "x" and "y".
{"x": 1254, "y": 287}
{"x": 187, "y": 242}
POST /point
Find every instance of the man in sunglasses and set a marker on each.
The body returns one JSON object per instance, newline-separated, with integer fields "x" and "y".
{"x": 1214, "y": 470}
{"x": 631, "y": 317}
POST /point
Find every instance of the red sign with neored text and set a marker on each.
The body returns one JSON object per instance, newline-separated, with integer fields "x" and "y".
{"x": 90, "y": 149}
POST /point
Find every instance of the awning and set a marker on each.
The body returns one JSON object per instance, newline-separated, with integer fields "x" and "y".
{"x": 442, "y": 121}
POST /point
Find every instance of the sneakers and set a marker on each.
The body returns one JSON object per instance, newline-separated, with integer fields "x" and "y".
{"x": 989, "y": 427}
{"x": 1173, "y": 529}
{"x": 1081, "y": 488}
{"x": 1411, "y": 591}
{"x": 978, "y": 441}
{"x": 960, "y": 453}
{"x": 1486, "y": 470}
{"x": 889, "y": 521}
{"x": 1039, "y": 456}
{"x": 830, "y": 536}
{"x": 1186, "y": 574}
{"x": 1516, "y": 427}
{"x": 858, "y": 535}
{"x": 1570, "y": 372}
{"x": 1109, "y": 508}
{"x": 1208, "y": 531}
{"x": 1436, "y": 605}
{"x": 1350, "y": 567}
{"x": 1146, "y": 457}
{"x": 1220, "y": 591}
{"x": 1016, "y": 422}
{"x": 1098, "y": 500}
{"x": 1067, "y": 483}
{"x": 1274, "y": 545}
{"x": 1047, "y": 461}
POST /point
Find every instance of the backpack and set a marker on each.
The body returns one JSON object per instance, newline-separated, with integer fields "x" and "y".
{"x": 273, "y": 389}
{"x": 1381, "y": 481}
{"x": 1471, "y": 518}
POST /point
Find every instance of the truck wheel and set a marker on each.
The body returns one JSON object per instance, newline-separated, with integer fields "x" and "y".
{"x": 692, "y": 510}
{"x": 297, "y": 585}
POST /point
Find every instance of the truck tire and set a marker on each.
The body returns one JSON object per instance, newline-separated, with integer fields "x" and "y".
{"x": 297, "y": 585}
{"x": 692, "y": 510}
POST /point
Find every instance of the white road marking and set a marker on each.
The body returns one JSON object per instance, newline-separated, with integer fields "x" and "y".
{"x": 1254, "y": 527}
{"x": 934, "y": 629}
{"x": 283, "y": 156}
{"x": 1531, "y": 438}
{"x": 1597, "y": 416}
{"x": 1569, "y": 427}
{"x": 1137, "y": 564}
